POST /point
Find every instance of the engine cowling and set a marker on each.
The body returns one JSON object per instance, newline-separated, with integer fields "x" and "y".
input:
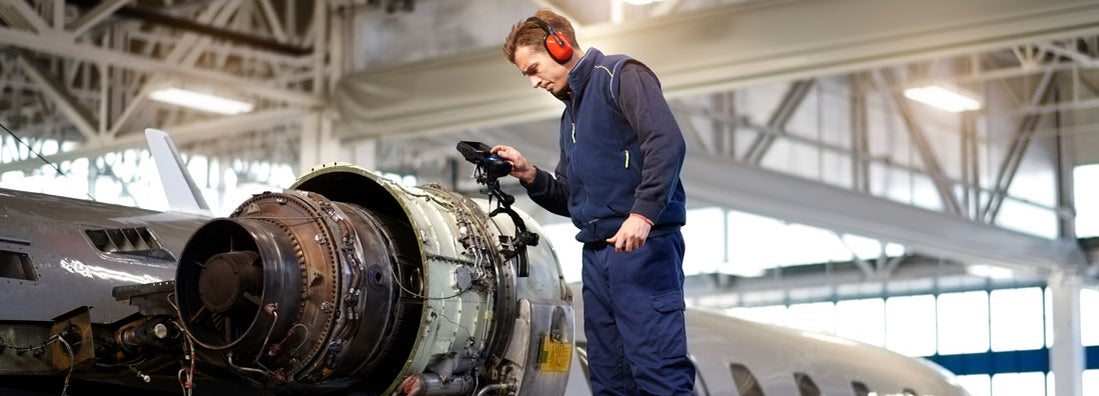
{"x": 348, "y": 279}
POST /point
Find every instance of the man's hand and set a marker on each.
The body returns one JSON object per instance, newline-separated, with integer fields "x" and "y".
{"x": 520, "y": 168}
{"x": 632, "y": 234}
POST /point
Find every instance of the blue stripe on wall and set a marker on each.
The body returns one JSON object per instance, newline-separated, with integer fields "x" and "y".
{"x": 1007, "y": 362}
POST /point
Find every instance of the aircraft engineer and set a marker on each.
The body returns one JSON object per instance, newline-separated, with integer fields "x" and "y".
{"x": 618, "y": 180}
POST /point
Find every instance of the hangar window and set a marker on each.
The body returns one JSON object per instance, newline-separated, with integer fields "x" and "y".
{"x": 137, "y": 241}
{"x": 17, "y": 265}
{"x": 1087, "y": 194}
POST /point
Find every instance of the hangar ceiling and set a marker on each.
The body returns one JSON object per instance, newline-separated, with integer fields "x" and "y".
{"x": 791, "y": 108}
{"x": 777, "y": 100}
{"x": 82, "y": 72}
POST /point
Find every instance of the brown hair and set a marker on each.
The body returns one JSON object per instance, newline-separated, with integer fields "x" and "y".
{"x": 528, "y": 33}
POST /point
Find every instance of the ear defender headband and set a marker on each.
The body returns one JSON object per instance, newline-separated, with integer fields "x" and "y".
{"x": 556, "y": 43}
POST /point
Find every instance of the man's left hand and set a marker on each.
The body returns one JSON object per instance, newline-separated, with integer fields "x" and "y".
{"x": 631, "y": 235}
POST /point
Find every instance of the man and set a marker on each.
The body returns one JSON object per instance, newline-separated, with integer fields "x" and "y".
{"x": 618, "y": 179}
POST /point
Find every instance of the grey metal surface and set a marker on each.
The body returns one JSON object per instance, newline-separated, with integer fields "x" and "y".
{"x": 805, "y": 201}
{"x": 71, "y": 270}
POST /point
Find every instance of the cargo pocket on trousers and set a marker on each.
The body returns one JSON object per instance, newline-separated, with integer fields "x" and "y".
{"x": 668, "y": 326}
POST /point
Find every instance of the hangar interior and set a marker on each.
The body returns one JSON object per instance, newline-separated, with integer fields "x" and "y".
{"x": 822, "y": 195}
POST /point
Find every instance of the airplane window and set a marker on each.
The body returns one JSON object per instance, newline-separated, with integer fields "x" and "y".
{"x": 746, "y": 383}
{"x": 17, "y": 265}
{"x": 860, "y": 388}
{"x": 132, "y": 241}
{"x": 806, "y": 386}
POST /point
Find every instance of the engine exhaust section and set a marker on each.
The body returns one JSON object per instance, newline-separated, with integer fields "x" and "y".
{"x": 348, "y": 280}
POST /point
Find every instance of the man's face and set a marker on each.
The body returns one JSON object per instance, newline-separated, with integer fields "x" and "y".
{"x": 542, "y": 71}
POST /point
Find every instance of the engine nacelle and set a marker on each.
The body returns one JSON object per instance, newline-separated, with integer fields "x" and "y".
{"x": 348, "y": 279}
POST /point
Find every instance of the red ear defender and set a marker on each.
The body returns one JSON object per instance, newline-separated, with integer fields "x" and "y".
{"x": 556, "y": 43}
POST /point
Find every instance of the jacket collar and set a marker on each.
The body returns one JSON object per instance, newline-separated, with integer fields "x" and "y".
{"x": 581, "y": 73}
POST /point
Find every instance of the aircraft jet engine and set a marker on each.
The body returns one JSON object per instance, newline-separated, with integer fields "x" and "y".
{"x": 350, "y": 280}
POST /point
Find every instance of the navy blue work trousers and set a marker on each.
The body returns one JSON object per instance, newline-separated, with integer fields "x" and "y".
{"x": 633, "y": 319}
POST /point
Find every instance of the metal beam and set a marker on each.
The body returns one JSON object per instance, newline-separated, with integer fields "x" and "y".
{"x": 723, "y": 182}
{"x": 927, "y": 154}
{"x": 53, "y": 89}
{"x": 1083, "y": 59}
{"x": 727, "y": 50}
{"x": 151, "y": 16}
{"x": 848, "y": 284}
{"x": 273, "y": 21}
{"x": 96, "y": 15}
{"x": 129, "y": 61}
{"x": 1019, "y": 143}
{"x": 860, "y": 135}
{"x": 29, "y": 15}
{"x": 190, "y": 43}
{"x": 791, "y": 101}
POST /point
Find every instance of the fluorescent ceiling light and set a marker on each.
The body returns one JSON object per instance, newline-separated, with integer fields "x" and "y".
{"x": 639, "y": 2}
{"x": 942, "y": 98}
{"x": 200, "y": 101}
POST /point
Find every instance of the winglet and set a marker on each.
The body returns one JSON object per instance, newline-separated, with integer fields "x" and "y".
{"x": 182, "y": 192}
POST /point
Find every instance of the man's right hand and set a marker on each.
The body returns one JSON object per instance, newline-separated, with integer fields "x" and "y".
{"x": 520, "y": 168}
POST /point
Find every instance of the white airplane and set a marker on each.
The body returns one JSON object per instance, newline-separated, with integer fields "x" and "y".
{"x": 739, "y": 357}
{"x": 346, "y": 284}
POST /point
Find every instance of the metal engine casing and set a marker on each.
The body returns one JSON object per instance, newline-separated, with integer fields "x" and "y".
{"x": 349, "y": 279}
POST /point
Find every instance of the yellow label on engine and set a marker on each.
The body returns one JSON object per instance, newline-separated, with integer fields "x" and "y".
{"x": 554, "y": 355}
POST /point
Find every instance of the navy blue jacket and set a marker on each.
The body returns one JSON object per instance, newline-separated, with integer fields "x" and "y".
{"x": 621, "y": 151}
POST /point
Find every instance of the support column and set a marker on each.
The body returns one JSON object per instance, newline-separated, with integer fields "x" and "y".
{"x": 1066, "y": 357}
{"x": 1066, "y": 193}
{"x": 365, "y": 154}
{"x": 317, "y": 143}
